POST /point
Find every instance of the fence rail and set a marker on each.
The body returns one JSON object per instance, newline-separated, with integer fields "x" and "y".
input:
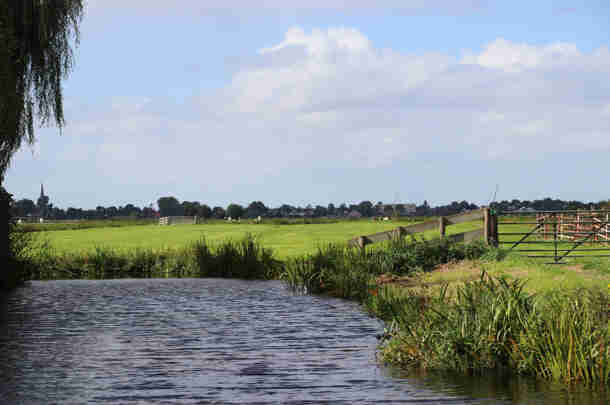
{"x": 440, "y": 224}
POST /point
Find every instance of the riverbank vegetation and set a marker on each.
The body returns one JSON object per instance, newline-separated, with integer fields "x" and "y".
{"x": 242, "y": 258}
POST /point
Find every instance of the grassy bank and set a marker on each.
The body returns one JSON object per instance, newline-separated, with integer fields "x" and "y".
{"x": 457, "y": 308}
{"x": 234, "y": 258}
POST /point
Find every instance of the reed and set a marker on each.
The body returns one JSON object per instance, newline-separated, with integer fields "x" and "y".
{"x": 245, "y": 258}
{"x": 493, "y": 324}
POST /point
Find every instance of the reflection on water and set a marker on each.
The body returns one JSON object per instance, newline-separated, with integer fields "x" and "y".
{"x": 504, "y": 388}
{"x": 213, "y": 341}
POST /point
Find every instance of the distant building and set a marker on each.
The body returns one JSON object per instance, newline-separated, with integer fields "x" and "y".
{"x": 42, "y": 205}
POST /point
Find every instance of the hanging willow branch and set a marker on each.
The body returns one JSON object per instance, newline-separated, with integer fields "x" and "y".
{"x": 35, "y": 55}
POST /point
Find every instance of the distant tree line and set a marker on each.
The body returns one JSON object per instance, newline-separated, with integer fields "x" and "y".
{"x": 171, "y": 206}
{"x": 548, "y": 204}
{"x": 26, "y": 208}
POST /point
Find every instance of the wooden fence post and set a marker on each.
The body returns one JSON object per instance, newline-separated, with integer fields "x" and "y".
{"x": 493, "y": 228}
{"x": 490, "y": 229}
{"x": 486, "y": 226}
{"x": 441, "y": 226}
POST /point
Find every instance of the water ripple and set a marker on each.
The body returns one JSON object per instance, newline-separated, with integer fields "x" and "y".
{"x": 203, "y": 341}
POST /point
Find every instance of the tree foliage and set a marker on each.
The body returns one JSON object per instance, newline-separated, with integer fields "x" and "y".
{"x": 235, "y": 211}
{"x": 255, "y": 209}
{"x": 36, "y": 53}
{"x": 169, "y": 206}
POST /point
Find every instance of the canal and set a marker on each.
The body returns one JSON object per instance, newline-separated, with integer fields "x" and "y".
{"x": 216, "y": 341}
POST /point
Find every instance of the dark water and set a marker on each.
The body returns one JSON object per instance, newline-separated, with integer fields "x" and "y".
{"x": 214, "y": 341}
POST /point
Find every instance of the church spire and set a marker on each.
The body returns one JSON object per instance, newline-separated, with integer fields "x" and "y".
{"x": 41, "y": 190}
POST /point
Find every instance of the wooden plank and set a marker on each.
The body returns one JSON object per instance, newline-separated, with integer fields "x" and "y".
{"x": 467, "y": 236}
{"x": 374, "y": 238}
{"x": 418, "y": 228}
{"x": 421, "y": 227}
{"x": 381, "y": 236}
{"x": 404, "y": 231}
{"x": 466, "y": 217}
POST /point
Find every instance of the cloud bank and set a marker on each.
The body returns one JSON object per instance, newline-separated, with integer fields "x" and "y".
{"x": 329, "y": 99}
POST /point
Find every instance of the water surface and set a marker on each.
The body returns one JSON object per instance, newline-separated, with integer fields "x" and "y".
{"x": 213, "y": 341}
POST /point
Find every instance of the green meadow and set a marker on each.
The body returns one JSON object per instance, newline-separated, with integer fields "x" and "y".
{"x": 285, "y": 240}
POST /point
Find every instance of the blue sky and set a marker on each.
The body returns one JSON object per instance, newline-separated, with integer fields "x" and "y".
{"x": 330, "y": 101}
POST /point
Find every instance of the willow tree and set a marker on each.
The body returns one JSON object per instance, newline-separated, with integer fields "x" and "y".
{"x": 36, "y": 54}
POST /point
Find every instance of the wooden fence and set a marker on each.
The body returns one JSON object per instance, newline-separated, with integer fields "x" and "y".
{"x": 488, "y": 230}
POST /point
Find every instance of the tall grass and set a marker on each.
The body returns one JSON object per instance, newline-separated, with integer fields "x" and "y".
{"x": 244, "y": 258}
{"x": 492, "y": 324}
{"x": 349, "y": 272}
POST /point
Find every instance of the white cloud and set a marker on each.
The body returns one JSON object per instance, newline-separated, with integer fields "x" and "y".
{"x": 338, "y": 67}
{"x": 509, "y": 98}
{"x": 512, "y": 57}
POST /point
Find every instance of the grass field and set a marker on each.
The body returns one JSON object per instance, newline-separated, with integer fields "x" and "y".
{"x": 540, "y": 276}
{"x": 285, "y": 240}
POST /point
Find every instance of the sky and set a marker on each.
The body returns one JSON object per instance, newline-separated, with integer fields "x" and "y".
{"x": 317, "y": 102}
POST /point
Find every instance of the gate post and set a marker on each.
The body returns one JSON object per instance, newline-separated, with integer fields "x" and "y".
{"x": 486, "y": 225}
{"x": 494, "y": 227}
{"x": 490, "y": 228}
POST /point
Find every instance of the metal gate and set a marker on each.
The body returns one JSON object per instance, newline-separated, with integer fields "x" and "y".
{"x": 555, "y": 235}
